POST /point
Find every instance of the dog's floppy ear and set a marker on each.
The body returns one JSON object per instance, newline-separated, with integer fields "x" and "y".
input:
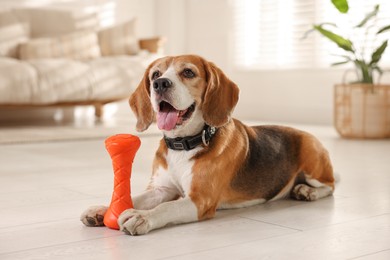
{"x": 220, "y": 98}
{"x": 140, "y": 103}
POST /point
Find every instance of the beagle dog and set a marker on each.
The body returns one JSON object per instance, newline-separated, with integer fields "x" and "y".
{"x": 207, "y": 160}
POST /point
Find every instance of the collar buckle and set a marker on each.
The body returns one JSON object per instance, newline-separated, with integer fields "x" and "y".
{"x": 207, "y": 134}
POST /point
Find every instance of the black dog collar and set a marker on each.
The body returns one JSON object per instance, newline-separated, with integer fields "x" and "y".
{"x": 190, "y": 142}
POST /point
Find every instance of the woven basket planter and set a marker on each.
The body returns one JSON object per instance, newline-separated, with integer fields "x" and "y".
{"x": 362, "y": 110}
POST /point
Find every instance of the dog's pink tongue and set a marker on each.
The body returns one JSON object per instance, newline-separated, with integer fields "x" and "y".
{"x": 166, "y": 120}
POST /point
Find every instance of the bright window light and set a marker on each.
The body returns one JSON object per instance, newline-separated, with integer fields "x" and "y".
{"x": 268, "y": 33}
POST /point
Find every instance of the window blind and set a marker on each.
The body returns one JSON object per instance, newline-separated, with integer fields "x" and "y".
{"x": 268, "y": 33}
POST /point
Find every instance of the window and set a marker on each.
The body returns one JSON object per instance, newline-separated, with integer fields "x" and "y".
{"x": 268, "y": 33}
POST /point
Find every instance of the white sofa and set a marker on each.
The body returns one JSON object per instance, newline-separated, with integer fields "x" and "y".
{"x": 68, "y": 61}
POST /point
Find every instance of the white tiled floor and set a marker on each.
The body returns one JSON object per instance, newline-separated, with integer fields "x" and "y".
{"x": 45, "y": 186}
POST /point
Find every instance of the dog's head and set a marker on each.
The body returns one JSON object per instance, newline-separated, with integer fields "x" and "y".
{"x": 184, "y": 93}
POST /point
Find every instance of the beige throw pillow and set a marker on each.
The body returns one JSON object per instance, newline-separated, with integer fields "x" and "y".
{"x": 12, "y": 33}
{"x": 80, "y": 45}
{"x": 120, "y": 39}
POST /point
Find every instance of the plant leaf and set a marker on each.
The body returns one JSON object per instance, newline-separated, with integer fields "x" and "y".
{"x": 380, "y": 71}
{"x": 377, "y": 55}
{"x": 383, "y": 29}
{"x": 341, "y": 5}
{"x": 306, "y": 34}
{"x": 366, "y": 76}
{"x": 342, "y": 56}
{"x": 368, "y": 16}
{"x": 340, "y": 41}
{"x": 340, "y": 63}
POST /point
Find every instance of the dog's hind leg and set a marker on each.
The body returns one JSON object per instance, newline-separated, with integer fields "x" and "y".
{"x": 315, "y": 180}
{"x": 309, "y": 193}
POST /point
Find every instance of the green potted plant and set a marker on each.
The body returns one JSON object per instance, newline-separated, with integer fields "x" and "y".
{"x": 362, "y": 107}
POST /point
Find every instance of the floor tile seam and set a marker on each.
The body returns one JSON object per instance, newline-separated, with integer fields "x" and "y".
{"x": 273, "y": 224}
{"x": 317, "y": 227}
{"x": 346, "y": 222}
{"x": 81, "y": 192}
{"x": 52, "y": 188}
{"x": 2, "y": 229}
{"x": 40, "y": 190}
{"x": 55, "y": 202}
{"x": 59, "y": 244}
{"x": 370, "y": 254}
{"x": 38, "y": 171}
{"x": 229, "y": 245}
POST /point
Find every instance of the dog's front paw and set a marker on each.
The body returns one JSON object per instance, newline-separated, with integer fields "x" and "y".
{"x": 93, "y": 216}
{"x": 134, "y": 222}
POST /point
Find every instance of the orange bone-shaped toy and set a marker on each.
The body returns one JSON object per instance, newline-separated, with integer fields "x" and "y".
{"x": 122, "y": 149}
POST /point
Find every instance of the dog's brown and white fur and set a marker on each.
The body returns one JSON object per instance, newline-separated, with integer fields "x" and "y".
{"x": 242, "y": 166}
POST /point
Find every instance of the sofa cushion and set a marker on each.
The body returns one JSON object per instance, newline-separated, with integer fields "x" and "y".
{"x": 78, "y": 45}
{"x": 12, "y": 33}
{"x": 118, "y": 76}
{"x": 49, "y": 81}
{"x": 61, "y": 80}
{"x": 120, "y": 39}
{"x": 18, "y": 81}
{"x": 51, "y": 21}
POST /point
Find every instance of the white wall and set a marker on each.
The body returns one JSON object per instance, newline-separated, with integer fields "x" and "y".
{"x": 301, "y": 96}
{"x": 144, "y": 10}
{"x": 171, "y": 22}
{"x": 297, "y": 96}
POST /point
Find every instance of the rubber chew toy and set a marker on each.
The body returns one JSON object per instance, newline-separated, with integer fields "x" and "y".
{"x": 122, "y": 149}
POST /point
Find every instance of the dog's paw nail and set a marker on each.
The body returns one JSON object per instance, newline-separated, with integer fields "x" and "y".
{"x": 91, "y": 221}
{"x": 99, "y": 219}
{"x": 127, "y": 232}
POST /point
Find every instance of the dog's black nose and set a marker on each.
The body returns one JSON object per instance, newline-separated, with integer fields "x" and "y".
{"x": 161, "y": 85}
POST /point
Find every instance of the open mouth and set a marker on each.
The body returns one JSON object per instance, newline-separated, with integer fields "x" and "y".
{"x": 169, "y": 117}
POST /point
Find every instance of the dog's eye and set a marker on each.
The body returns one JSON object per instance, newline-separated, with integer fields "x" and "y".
{"x": 156, "y": 74}
{"x": 187, "y": 73}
